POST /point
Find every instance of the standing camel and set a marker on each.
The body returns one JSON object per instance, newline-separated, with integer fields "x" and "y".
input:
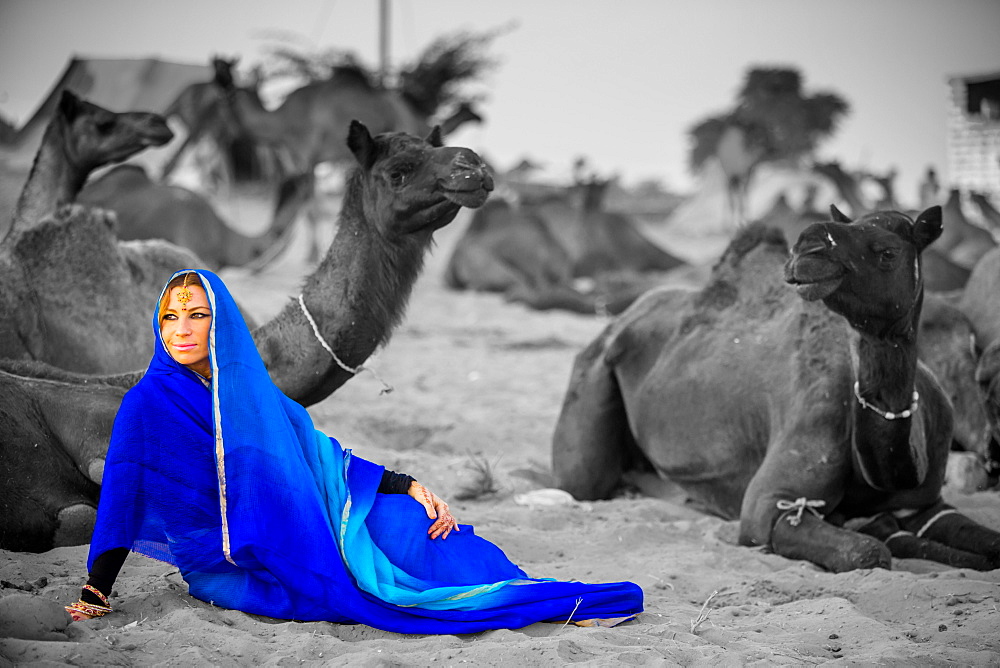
{"x": 803, "y": 412}
{"x": 206, "y": 116}
{"x": 148, "y": 210}
{"x": 55, "y": 425}
{"x": 79, "y": 138}
{"x": 310, "y": 124}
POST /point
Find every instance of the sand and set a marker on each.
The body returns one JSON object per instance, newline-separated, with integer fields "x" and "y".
{"x": 477, "y": 386}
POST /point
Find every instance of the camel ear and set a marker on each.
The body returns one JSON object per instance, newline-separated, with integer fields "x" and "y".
{"x": 837, "y": 215}
{"x": 434, "y": 138}
{"x": 927, "y": 227}
{"x": 360, "y": 141}
{"x": 69, "y": 104}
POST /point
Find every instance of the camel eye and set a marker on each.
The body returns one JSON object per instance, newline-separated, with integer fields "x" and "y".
{"x": 398, "y": 175}
{"x": 887, "y": 255}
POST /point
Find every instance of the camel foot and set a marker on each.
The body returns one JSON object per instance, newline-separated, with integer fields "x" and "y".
{"x": 76, "y": 524}
{"x": 95, "y": 470}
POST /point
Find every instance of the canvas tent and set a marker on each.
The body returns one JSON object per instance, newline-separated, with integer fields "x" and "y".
{"x": 118, "y": 84}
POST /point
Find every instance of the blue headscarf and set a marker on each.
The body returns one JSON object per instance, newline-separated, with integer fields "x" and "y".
{"x": 229, "y": 481}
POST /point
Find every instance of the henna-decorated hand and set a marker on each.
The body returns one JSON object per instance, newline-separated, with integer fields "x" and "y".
{"x": 436, "y": 509}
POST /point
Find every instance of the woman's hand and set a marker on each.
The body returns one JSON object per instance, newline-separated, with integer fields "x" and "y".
{"x": 436, "y": 509}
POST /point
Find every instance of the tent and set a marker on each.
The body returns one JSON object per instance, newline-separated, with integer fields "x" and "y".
{"x": 118, "y": 84}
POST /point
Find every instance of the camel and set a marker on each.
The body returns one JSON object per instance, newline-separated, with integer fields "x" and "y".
{"x": 963, "y": 241}
{"x": 202, "y": 110}
{"x": 55, "y": 425}
{"x": 989, "y": 213}
{"x": 846, "y": 184}
{"x": 941, "y": 272}
{"x": 79, "y": 138}
{"x": 802, "y": 411}
{"x": 533, "y": 251}
{"x": 149, "y": 210}
{"x": 946, "y": 343}
{"x": 885, "y": 183}
{"x": 310, "y": 124}
{"x": 67, "y": 274}
{"x": 979, "y": 303}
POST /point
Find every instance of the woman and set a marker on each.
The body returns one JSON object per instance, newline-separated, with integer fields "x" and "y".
{"x": 212, "y": 469}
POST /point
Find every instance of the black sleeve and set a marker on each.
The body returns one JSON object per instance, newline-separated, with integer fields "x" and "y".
{"x": 394, "y": 483}
{"x": 104, "y": 573}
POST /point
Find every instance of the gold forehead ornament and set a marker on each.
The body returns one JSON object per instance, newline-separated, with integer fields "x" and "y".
{"x": 184, "y": 294}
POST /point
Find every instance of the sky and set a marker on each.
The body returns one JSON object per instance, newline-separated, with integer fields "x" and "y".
{"x": 619, "y": 82}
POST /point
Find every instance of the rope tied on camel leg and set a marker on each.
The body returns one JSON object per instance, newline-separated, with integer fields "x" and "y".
{"x": 800, "y": 505}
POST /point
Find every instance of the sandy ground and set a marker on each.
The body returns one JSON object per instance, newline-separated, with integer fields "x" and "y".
{"x": 477, "y": 386}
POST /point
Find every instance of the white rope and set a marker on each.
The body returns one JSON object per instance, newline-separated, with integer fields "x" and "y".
{"x": 888, "y": 415}
{"x": 928, "y": 523}
{"x": 800, "y": 504}
{"x": 899, "y": 534}
{"x": 386, "y": 388}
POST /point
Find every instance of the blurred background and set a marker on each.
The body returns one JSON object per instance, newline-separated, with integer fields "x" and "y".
{"x": 620, "y": 83}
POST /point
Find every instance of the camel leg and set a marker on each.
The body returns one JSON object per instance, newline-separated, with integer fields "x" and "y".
{"x": 906, "y": 545}
{"x": 799, "y": 533}
{"x": 833, "y": 548}
{"x": 592, "y": 437}
{"x": 943, "y": 524}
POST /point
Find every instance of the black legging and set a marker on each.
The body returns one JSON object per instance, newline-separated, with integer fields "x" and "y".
{"x": 108, "y": 564}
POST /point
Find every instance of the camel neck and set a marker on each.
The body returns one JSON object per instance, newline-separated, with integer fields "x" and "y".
{"x": 54, "y": 178}
{"x": 890, "y": 453}
{"x": 356, "y": 296}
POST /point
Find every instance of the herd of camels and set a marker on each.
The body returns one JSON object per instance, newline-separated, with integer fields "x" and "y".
{"x": 783, "y": 391}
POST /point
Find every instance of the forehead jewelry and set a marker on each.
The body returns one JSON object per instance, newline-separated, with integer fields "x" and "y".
{"x": 184, "y": 294}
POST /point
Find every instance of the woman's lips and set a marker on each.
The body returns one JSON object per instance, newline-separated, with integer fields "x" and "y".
{"x": 184, "y": 347}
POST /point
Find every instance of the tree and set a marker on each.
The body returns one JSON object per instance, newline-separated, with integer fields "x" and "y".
{"x": 772, "y": 121}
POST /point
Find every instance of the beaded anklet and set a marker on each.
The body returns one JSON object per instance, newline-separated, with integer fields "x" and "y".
{"x": 91, "y": 609}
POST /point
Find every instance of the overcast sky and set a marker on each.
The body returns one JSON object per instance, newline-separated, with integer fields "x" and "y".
{"x": 617, "y": 81}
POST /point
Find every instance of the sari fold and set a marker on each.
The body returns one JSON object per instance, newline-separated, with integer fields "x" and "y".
{"x": 230, "y": 482}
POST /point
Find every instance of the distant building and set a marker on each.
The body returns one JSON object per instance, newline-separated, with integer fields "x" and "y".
{"x": 974, "y": 134}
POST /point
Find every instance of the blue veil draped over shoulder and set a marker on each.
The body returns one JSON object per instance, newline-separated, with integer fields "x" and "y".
{"x": 230, "y": 482}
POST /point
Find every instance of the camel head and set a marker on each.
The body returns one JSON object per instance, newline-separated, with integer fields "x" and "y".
{"x": 96, "y": 136}
{"x": 222, "y": 69}
{"x": 410, "y": 184}
{"x": 867, "y": 270}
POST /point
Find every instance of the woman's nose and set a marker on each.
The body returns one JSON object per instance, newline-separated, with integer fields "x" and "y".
{"x": 184, "y": 326}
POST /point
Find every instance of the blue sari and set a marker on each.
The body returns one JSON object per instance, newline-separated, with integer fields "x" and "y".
{"x": 230, "y": 482}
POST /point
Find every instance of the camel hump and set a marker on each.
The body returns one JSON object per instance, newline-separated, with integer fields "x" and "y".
{"x": 750, "y": 237}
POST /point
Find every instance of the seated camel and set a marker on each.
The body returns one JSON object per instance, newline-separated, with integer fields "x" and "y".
{"x": 148, "y": 210}
{"x": 536, "y": 250}
{"x": 802, "y": 411}
{"x": 55, "y": 425}
{"x": 980, "y": 305}
{"x": 79, "y": 138}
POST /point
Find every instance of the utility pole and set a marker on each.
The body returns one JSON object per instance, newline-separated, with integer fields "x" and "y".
{"x": 383, "y": 42}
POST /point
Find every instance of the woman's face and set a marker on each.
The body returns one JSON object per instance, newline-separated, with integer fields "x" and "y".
{"x": 184, "y": 328}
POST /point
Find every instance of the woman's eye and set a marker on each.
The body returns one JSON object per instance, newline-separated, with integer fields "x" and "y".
{"x": 200, "y": 316}
{"x": 170, "y": 316}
